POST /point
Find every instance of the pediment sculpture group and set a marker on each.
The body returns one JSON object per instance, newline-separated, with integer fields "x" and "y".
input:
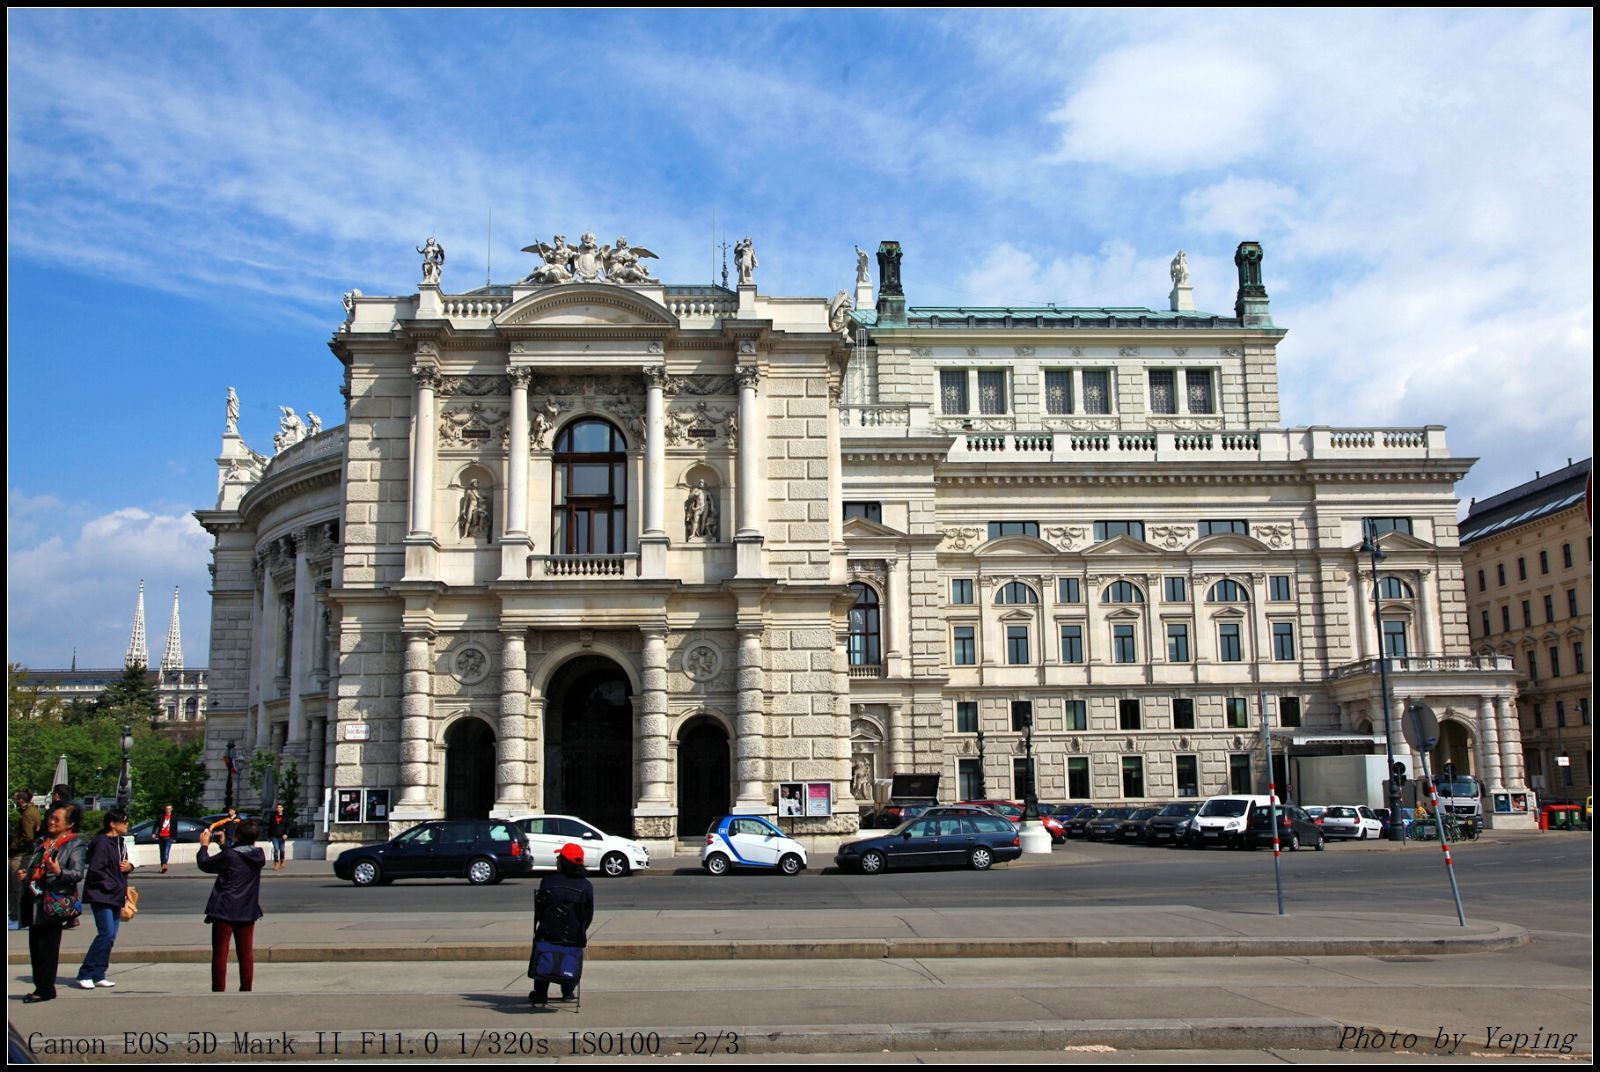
{"x": 589, "y": 262}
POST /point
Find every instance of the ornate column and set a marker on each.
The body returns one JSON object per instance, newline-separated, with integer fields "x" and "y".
{"x": 516, "y": 521}
{"x": 305, "y": 610}
{"x": 654, "y": 812}
{"x": 267, "y": 639}
{"x": 1489, "y": 745}
{"x": 535, "y": 751}
{"x": 1428, "y": 611}
{"x": 1511, "y": 762}
{"x": 892, "y": 621}
{"x": 416, "y": 711}
{"x": 1369, "y": 630}
{"x": 899, "y": 739}
{"x": 315, "y": 760}
{"x": 835, "y": 468}
{"x": 653, "y": 541}
{"x": 750, "y": 428}
{"x": 423, "y": 447}
{"x": 511, "y": 735}
{"x": 749, "y": 725}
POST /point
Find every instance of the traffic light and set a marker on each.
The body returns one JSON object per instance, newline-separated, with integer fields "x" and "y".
{"x": 1399, "y": 773}
{"x": 1448, "y": 772}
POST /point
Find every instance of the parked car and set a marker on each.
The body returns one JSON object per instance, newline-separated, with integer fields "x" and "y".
{"x": 1407, "y": 816}
{"x": 1063, "y": 813}
{"x": 184, "y": 830}
{"x": 1132, "y": 828}
{"x": 750, "y": 841}
{"x": 909, "y": 796}
{"x": 1295, "y": 828}
{"x": 975, "y": 840}
{"x": 1103, "y": 827}
{"x": 1315, "y": 811}
{"x": 611, "y": 855}
{"x": 1171, "y": 823}
{"x": 1077, "y": 826}
{"x": 483, "y": 851}
{"x": 1222, "y": 819}
{"x": 1013, "y": 811}
{"x": 1351, "y": 821}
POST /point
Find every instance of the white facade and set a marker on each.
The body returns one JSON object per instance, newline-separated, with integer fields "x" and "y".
{"x": 582, "y": 546}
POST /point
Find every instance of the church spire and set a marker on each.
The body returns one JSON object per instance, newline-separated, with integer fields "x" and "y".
{"x": 138, "y": 651}
{"x": 172, "y": 658}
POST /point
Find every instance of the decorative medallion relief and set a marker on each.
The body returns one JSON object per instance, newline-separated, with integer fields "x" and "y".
{"x": 1128, "y": 351}
{"x": 1065, "y": 537}
{"x": 701, "y": 422}
{"x": 962, "y": 539}
{"x": 701, "y": 662}
{"x": 1171, "y": 536}
{"x": 472, "y": 424}
{"x": 1023, "y": 351}
{"x": 1277, "y": 537}
{"x": 469, "y": 665}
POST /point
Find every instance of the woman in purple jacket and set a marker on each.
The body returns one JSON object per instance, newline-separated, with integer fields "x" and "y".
{"x": 105, "y": 891}
{"x": 235, "y": 902}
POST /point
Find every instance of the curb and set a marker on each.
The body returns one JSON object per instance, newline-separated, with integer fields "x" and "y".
{"x": 1503, "y": 937}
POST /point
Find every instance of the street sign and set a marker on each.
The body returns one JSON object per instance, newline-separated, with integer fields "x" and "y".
{"x": 1563, "y": 761}
{"x": 1420, "y": 727}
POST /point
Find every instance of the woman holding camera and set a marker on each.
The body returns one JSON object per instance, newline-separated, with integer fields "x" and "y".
{"x": 235, "y": 902}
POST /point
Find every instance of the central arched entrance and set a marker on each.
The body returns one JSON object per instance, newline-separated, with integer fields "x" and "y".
{"x": 468, "y": 770}
{"x": 1455, "y": 746}
{"x": 588, "y": 744}
{"x": 705, "y": 776}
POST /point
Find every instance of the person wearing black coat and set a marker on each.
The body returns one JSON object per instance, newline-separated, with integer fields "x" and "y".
{"x": 105, "y": 891}
{"x": 278, "y": 834}
{"x": 235, "y": 902}
{"x": 562, "y": 911}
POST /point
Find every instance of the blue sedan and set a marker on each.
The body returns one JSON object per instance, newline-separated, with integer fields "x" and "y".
{"x": 976, "y": 841}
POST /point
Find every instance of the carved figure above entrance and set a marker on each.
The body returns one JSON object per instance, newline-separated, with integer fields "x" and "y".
{"x": 589, "y": 262}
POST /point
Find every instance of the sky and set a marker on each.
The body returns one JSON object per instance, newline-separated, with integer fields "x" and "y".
{"x": 190, "y": 193}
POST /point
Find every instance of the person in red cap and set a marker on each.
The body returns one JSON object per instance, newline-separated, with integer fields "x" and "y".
{"x": 562, "y": 912}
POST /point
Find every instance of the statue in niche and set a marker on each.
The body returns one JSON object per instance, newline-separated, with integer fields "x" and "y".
{"x": 291, "y": 429}
{"x": 1180, "y": 270}
{"x": 432, "y": 261}
{"x": 232, "y": 427}
{"x": 472, "y": 519}
{"x": 744, "y": 258}
{"x": 861, "y": 266}
{"x": 861, "y": 779}
{"x": 695, "y": 505}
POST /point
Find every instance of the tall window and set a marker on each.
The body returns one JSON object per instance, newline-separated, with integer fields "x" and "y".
{"x": 969, "y": 776}
{"x": 1188, "y": 776}
{"x": 1122, "y": 592}
{"x": 1177, "y": 642}
{"x": 1527, "y": 615}
{"x": 1283, "y": 641}
{"x": 865, "y": 628}
{"x": 1482, "y": 582}
{"x": 590, "y": 489}
{"x": 961, "y": 590}
{"x": 1096, "y": 391}
{"x": 1201, "y": 398}
{"x": 1021, "y": 777}
{"x": 1016, "y": 592}
{"x": 1505, "y": 618}
{"x": 1500, "y": 574}
{"x": 1522, "y": 568}
{"x": 1072, "y": 643}
{"x": 1577, "y": 658}
{"x": 1239, "y": 780}
{"x": 1182, "y": 714}
{"x": 1289, "y": 712}
{"x": 1485, "y": 623}
{"x": 1123, "y": 649}
{"x": 1561, "y": 714}
{"x": 1533, "y": 666}
{"x": 966, "y": 716}
{"x": 1128, "y": 714}
{"x": 1017, "y": 645}
{"x": 1238, "y": 714}
{"x": 1566, "y": 555}
{"x": 1058, "y": 391}
{"x": 1555, "y": 662}
{"x": 991, "y": 391}
{"x": 869, "y": 511}
{"x": 1229, "y": 649}
{"x": 1394, "y": 639}
{"x": 1104, "y": 530}
{"x": 1132, "y": 777}
{"x": 955, "y": 386}
{"x": 966, "y": 645}
{"x": 1021, "y": 715}
{"x": 1174, "y": 589}
{"x": 1070, "y": 590}
{"x": 953, "y": 391}
{"x": 1163, "y": 391}
{"x": 1077, "y": 777}
{"x": 1572, "y": 602}
{"x": 1077, "y": 715}
{"x": 1544, "y": 561}
{"x": 1280, "y": 588}
{"x": 1549, "y": 608}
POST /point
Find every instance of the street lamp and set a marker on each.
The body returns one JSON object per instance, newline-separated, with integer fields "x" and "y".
{"x": 227, "y": 789}
{"x": 983, "y": 792}
{"x": 1369, "y": 546}
{"x": 1030, "y": 802}
{"x": 125, "y": 780}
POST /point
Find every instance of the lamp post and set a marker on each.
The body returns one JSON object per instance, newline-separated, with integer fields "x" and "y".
{"x": 125, "y": 780}
{"x": 1369, "y": 546}
{"x": 227, "y": 789}
{"x": 1033, "y": 836}
{"x": 983, "y": 792}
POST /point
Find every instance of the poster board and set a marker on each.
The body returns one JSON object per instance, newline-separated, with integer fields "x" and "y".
{"x": 375, "y": 805}
{"x": 347, "y": 806}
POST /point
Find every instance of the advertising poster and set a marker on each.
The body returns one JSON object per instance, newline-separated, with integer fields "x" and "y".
{"x": 377, "y": 805}
{"x": 791, "y": 800}
{"x": 348, "y": 806}
{"x": 819, "y": 798}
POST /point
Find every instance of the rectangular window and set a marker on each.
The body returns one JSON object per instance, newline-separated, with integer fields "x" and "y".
{"x": 1132, "y": 777}
{"x": 1505, "y": 618}
{"x": 1016, "y": 645}
{"x": 1123, "y": 649}
{"x": 1522, "y": 568}
{"x": 966, "y": 645}
{"x": 1077, "y": 715}
{"x": 1238, "y": 714}
{"x": 1566, "y": 555}
{"x": 998, "y": 529}
{"x": 1538, "y": 716}
{"x": 1072, "y": 643}
{"x": 1527, "y": 615}
{"x": 1485, "y": 623}
{"x": 1175, "y": 589}
{"x": 1394, "y": 640}
{"x": 967, "y": 717}
{"x": 1188, "y": 776}
{"x": 1021, "y": 715}
{"x": 1544, "y": 561}
{"x": 1500, "y": 574}
{"x": 1555, "y": 662}
{"x": 953, "y": 391}
{"x": 1096, "y": 391}
{"x": 1201, "y": 397}
{"x": 1182, "y": 714}
{"x": 1177, "y": 643}
{"x": 1163, "y": 391}
{"x": 871, "y": 511}
{"x": 1229, "y": 649}
{"x": 1077, "y": 778}
{"x": 1577, "y": 657}
{"x": 1069, "y": 590}
{"x": 970, "y": 777}
{"x": 1105, "y": 530}
{"x": 961, "y": 590}
{"x": 1549, "y": 608}
{"x": 991, "y": 391}
{"x": 1128, "y": 714}
{"x": 1533, "y": 666}
{"x": 1289, "y": 712}
{"x": 1583, "y": 718}
{"x": 1572, "y": 602}
{"x": 1239, "y": 779}
{"x": 1021, "y": 778}
{"x": 1280, "y": 588}
{"x": 1220, "y": 528}
{"x": 1381, "y": 525}
{"x": 1058, "y": 391}
{"x": 1482, "y": 583}
{"x": 1561, "y": 714}
{"x": 1283, "y": 641}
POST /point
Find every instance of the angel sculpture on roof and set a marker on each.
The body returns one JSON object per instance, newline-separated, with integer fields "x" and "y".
{"x": 622, "y": 263}
{"x": 557, "y": 267}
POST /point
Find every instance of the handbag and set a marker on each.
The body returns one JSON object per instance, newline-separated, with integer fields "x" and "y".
{"x": 552, "y": 963}
{"x": 61, "y": 906}
{"x": 130, "y": 907}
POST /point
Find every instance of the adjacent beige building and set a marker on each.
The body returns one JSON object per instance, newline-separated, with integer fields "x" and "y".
{"x": 1529, "y": 557}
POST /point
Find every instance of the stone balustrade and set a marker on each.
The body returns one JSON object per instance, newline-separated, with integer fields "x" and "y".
{"x": 1162, "y": 445}
{"x": 473, "y": 307}
{"x": 701, "y": 303}
{"x": 866, "y": 670}
{"x": 584, "y": 566}
{"x": 312, "y": 448}
{"x": 1426, "y": 664}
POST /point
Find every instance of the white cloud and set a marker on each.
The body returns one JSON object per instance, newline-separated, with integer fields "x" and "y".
{"x": 1240, "y": 207}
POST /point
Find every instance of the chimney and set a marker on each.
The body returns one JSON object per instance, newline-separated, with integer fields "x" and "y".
{"x": 891, "y": 298}
{"x": 1251, "y": 304}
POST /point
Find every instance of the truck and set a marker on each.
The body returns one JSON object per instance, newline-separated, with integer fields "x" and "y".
{"x": 1460, "y": 795}
{"x": 1342, "y": 780}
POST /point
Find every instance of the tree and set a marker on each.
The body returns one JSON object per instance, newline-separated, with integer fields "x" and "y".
{"x": 25, "y": 700}
{"x": 165, "y": 772}
{"x": 285, "y": 782}
{"x": 131, "y": 698}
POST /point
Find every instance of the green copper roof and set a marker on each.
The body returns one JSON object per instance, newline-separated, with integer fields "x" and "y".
{"x": 1023, "y": 316}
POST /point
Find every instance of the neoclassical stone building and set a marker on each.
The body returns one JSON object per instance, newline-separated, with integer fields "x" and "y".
{"x": 642, "y": 552}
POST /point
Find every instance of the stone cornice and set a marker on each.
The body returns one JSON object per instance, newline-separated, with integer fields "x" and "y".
{"x": 324, "y": 472}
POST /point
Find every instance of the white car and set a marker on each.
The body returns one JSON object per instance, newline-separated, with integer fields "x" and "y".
{"x": 1351, "y": 821}
{"x": 750, "y": 841}
{"x": 611, "y": 855}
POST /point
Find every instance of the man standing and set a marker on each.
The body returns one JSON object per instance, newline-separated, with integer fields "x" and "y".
{"x": 24, "y": 832}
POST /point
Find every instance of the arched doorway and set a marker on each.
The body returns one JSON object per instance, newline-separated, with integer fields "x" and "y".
{"x": 468, "y": 770}
{"x": 1455, "y": 746}
{"x": 588, "y": 749}
{"x": 705, "y": 776}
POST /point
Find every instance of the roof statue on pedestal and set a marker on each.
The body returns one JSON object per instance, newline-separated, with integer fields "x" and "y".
{"x": 432, "y": 261}
{"x": 232, "y": 426}
{"x": 622, "y": 262}
{"x": 744, "y": 259}
{"x": 291, "y": 429}
{"x": 862, "y": 275}
{"x": 557, "y": 267}
{"x": 315, "y": 422}
{"x": 589, "y": 262}
{"x": 1180, "y": 270}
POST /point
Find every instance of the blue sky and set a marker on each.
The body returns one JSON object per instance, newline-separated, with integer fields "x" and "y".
{"x": 189, "y": 194}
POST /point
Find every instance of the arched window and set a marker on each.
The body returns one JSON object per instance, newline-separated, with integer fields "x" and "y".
{"x": 1393, "y": 588}
{"x": 866, "y": 647}
{"x": 1016, "y": 592}
{"x": 192, "y": 708}
{"x": 589, "y": 490}
{"x": 1123, "y": 592}
{"x": 1228, "y": 592}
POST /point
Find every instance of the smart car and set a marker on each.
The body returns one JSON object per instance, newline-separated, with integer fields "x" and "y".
{"x": 750, "y": 841}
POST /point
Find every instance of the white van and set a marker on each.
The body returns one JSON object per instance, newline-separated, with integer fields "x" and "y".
{"x": 1223, "y": 820}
